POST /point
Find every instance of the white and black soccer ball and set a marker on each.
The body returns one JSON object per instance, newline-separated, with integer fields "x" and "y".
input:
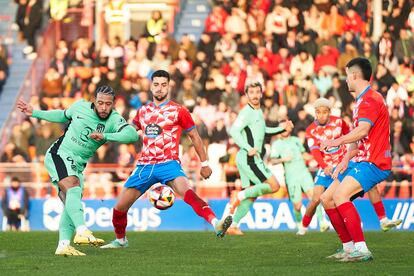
{"x": 161, "y": 197}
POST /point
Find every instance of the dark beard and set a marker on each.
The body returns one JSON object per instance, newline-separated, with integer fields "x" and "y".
{"x": 160, "y": 99}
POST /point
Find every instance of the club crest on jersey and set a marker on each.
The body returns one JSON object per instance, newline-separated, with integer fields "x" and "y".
{"x": 100, "y": 128}
{"x": 152, "y": 130}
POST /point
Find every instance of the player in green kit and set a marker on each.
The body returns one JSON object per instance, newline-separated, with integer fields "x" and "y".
{"x": 90, "y": 125}
{"x": 248, "y": 132}
{"x": 288, "y": 150}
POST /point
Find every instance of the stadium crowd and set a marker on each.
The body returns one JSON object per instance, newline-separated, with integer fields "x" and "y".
{"x": 297, "y": 49}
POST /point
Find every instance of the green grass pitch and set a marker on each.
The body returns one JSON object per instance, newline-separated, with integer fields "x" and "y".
{"x": 201, "y": 253}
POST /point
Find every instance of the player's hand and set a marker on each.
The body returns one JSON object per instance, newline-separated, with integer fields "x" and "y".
{"x": 328, "y": 170}
{"x": 341, "y": 168}
{"x": 97, "y": 136}
{"x": 25, "y": 107}
{"x": 252, "y": 152}
{"x": 327, "y": 144}
{"x": 205, "y": 172}
{"x": 289, "y": 125}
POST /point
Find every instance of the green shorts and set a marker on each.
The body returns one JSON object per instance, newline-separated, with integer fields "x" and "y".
{"x": 252, "y": 170}
{"x": 61, "y": 165}
{"x": 298, "y": 182}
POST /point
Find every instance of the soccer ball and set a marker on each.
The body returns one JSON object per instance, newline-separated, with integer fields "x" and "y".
{"x": 161, "y": 196}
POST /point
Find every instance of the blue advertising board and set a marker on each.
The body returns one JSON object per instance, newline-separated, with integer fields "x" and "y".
{"x": 265, "y": 215}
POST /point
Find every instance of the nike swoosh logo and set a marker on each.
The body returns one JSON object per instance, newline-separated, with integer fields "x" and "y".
{"x": 79, "y": 117}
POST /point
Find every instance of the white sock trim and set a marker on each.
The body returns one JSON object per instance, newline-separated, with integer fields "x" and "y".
{"x": 81, "y": 228}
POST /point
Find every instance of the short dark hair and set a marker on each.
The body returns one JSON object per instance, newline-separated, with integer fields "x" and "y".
{"x": 253, "y": 84}
{"x": 105, "y": 89}
{"x": 364, "y": 65}
{"x": 15, "y": 178}
{"x": 160, "y": 73}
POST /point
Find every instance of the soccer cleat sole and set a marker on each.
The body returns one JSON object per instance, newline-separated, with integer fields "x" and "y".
{"x": 226, "y": 224}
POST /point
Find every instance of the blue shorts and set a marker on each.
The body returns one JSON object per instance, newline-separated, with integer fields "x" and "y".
{"x": 367, "y": 174}
{"x": 324, "y": 180}
{"x": 144, "y": 176}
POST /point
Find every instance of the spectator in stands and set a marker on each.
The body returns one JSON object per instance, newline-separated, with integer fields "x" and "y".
{"x": 3, "y": 72}
{"x": 276, "y": 23}
{"x": 327, "y": 59}
{"x": 333, "y": 22}
{"x": 214, "y": 24}
{"x": 302, "y": 63}
{"x": 349, "y": 53}
{"x": 400, "y": 140}
{"x": 395, "y": 91}
{"x": 313, "y": 20}
{"x": 32, "y": 23}
{"x": 117, "y": 18}
{"x": 236, "y": 22}
{"x": 227, "y": 45}
{"x": 13, "y": 154}
{"x": 370, "y": 55}
{"x": 187, "y": 95}
{"x": 404, "y": 47}
{"x": 15, "y": 205}
{"x": 246, "y": 47}
{"x": 390, "y": 61}
{"x": 219, "y": 133}
{"x": 206, "y": 45}
{"x": 52, "y": 84}
{"x": 19, "y": 19}
{"x": 384, "y": 79}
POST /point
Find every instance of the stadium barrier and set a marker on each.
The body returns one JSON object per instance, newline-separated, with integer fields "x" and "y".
{"x": 265, "y": 215}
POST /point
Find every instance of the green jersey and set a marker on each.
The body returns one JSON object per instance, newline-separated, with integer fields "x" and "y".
{"x": 249, "y": 129}
{"x": 83, "y": 120}
{"x": 290, "y": 147}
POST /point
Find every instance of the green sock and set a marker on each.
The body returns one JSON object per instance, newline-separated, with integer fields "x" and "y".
{"x": 66, "y": 227}
{"x": 258, "y": 190}
{"x": 74, "y": 206}
{"x": 242, "y": 210}
{"x": 298, "y": 215}
{"x": 319, "y": 214}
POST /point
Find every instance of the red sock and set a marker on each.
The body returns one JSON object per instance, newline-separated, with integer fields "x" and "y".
{"x": 119, "y": 220}
{"x": 352, "y": 221}
{"x": 199, "y": 206}
{"x": 338, "y": 223}
{"x": 306, "y": 220}
{"x": 379, "y": 209}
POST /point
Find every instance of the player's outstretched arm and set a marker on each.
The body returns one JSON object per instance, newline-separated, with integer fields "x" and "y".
{"x": 126, "y": 135}
{"x": 55, "y": 116}
{"x": 199, "y": 148}
{"x": 277, "y": 130}
{"x": 361, "y": 131}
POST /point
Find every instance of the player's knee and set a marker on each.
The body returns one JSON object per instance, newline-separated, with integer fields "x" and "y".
{"x": 326, "y": 200}
{"x": 316, "y": 200}
{"x": 339, "y": 197}
{"x": 274, "y": 185}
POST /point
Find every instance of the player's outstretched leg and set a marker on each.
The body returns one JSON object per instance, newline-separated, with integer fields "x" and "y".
{"x": 66, "y": 230}
{"x": 120, "y": 215}
{"x": 202, "y": 209}
{"x": 269, "y": 186}
{"x": 241, "y": 211}
{"x": 385, "y": 223}
{"x": 119, "y": 221}
{"x": 74, "y": 208}
{"x": 350, "y": 186}
{"x": 337, "y": 222}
